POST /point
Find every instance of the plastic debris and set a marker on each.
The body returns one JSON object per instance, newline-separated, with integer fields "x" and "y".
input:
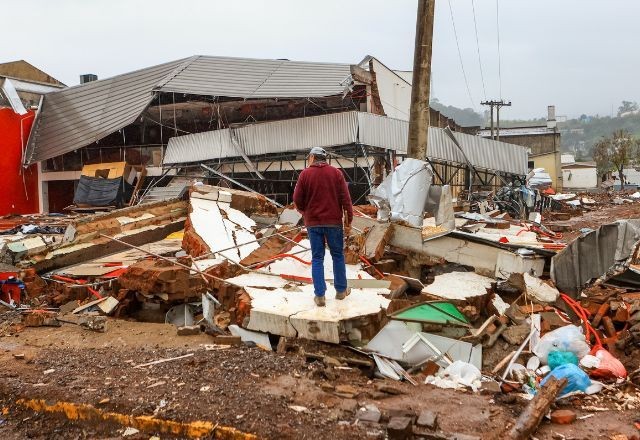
{"x": 457, "y": 375}
{"x": 577, "y": 379}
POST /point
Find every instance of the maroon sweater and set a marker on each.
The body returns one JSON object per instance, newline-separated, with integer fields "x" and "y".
{"x": 322, "y": 195}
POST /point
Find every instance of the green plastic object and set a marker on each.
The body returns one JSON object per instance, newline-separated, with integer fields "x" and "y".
{"x": 557, "y": 358}
{"x": 432, "y": 312}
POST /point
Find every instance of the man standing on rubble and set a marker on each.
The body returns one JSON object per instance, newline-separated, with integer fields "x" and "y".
{"x": 322, "y": 196}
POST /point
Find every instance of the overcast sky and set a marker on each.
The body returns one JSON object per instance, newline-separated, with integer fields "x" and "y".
{"x": 581, "y": 55}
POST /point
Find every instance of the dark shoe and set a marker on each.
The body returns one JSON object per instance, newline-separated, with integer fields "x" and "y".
{"x": 344, "y": 294}
{"x": 319, "y": 300}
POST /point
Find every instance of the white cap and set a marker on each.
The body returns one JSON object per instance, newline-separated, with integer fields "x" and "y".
{"x": 317, "y": 151}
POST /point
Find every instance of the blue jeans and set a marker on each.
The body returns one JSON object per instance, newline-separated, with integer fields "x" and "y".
{"x": 335, "y": 240}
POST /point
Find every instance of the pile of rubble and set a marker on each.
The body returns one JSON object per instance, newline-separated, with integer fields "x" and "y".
{"x": 479, "y": 301}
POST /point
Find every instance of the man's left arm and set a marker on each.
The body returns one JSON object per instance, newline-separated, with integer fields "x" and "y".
{"x": 345, "y": 199}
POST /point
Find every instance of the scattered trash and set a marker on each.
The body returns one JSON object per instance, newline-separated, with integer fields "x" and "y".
{"x": 457, "y": 375}
{"x": 431, "y": 293}
{"x": 568, "y": 338}
{"x": 130, "y": 431}
{"x": 577, "y": 380}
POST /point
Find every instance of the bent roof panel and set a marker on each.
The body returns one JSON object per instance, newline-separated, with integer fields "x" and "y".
{"x": 331, "y": 130}
{"x": 77, "y": 116}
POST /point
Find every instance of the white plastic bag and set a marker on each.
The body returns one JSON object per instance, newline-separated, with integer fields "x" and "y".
{"x": 457, "y": 375}
{"x": 567, "y": 338}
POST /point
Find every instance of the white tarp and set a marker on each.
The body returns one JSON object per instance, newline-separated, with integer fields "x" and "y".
{"x": 405, "y": 191}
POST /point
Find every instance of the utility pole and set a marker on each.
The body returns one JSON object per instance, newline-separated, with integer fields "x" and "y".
{"x": 497, "y": 105}
{"x": 419, "y": 113}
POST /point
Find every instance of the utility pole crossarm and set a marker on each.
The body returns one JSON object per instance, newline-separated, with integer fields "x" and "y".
{"x": 497, "y": 105}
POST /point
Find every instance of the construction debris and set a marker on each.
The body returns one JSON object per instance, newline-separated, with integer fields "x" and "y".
{"x": 471, "y": 307}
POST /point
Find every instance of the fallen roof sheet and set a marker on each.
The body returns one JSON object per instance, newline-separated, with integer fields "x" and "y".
{"x": 346, "y": 128}
{"x": 594, "y": 254}
{"x": 77, "y": 116}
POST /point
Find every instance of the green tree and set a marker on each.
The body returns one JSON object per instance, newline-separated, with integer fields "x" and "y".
{"x": 615, "y": 153}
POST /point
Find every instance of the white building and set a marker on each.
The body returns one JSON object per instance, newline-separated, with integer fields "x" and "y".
{"x": 579, "y": 175}
{"x": 631, "y": 176}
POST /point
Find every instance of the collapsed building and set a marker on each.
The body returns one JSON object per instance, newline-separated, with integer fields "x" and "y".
{"x": 202, "y": 239}
{"x": 256, "y": 116}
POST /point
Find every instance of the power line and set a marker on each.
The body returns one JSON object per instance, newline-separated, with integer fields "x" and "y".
{"x": 475, "y": 24}
{"x": 464, "y": 74}
{"x": 499, "y": 55}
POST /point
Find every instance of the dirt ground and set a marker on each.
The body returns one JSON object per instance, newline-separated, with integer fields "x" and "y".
{"x": 597, "y": 216}
{"x": 247, "y": 388}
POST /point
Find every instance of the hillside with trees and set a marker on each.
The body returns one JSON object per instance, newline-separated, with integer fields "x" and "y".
{"x": 579, "y": 135}
{"x": 465, "y": 117}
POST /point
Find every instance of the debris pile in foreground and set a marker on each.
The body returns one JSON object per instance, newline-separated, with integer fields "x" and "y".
{"x": 490, "y": 304}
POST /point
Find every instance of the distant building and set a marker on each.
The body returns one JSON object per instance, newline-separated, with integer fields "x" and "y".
{"x": 631, "y": 176}
{"x": 543, "y": 142}
{"x": 23, "y": 71}
{"x": 579, "y": 175}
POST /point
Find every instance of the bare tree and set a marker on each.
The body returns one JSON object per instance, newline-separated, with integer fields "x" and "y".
{"x": 615, "y": 153}
{"x": 627, "y": 107}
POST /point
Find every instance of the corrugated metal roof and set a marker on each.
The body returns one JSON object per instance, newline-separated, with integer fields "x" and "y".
{"x": 77, "y": 116}
{"x": 270, "y": 137}
{"x": 342, "y": 129}
{"x": 254, "y": 78}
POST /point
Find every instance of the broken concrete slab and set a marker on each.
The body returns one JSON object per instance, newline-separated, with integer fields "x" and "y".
{"x": 217, "y": 228}
{"x": 376, "y": 241}
{"x": 119, "y": 221}
{"x": 247, "y": 202}
{"x": 41, "y": 319}
{"x": 75, "y": 253}
{"x": 510, "y": 262}
{"x": 280, "y": 240}
{"x": 458, "y": 285}
{"x": 457, "y": 247}
{"x": 289, "y": 216}
{"x": 539, "y": 290}
{"x": 293, "y": 313}
{"x": 19, "y": 248}
{"x": 257, "y": 279}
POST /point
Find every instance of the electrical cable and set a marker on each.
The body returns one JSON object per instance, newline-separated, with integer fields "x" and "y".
{"x": 464, "y": 73}
{"x": 475, "y": 24}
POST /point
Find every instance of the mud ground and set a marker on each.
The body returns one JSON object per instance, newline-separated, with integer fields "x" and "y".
{"x": 242, "y": 387}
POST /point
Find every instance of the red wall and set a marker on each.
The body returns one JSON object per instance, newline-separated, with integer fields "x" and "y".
{"x": 18, "y": 186}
